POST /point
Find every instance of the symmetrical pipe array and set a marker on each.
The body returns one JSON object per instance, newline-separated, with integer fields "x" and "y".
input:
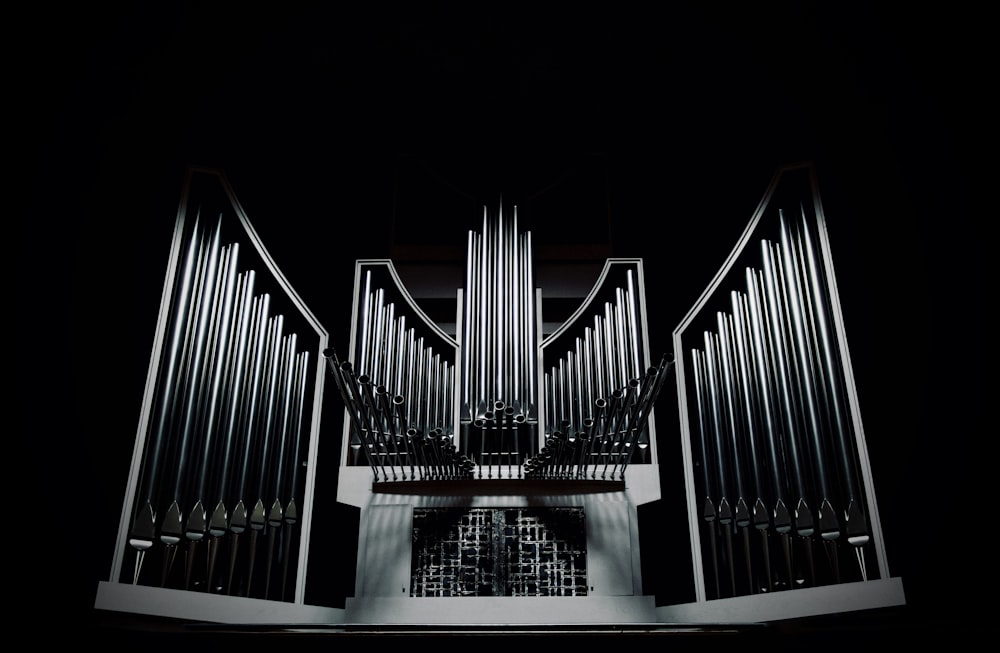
{"x": 774, "y": 440}
{"x": 399, "y": 392}
{"x": 499, "y": 348}
{"x": 223, "y": 448}
{"x": 499, "y": 335}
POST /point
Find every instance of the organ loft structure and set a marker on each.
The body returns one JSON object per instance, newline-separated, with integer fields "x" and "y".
{"x": 497, "y": 461}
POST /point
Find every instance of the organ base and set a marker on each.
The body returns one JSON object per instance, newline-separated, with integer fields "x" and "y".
{"x": 551, "y": 612}
{"x": 205, "y": 607}
{"x": 502, "y": 611}
{"x": 795, "y": 604}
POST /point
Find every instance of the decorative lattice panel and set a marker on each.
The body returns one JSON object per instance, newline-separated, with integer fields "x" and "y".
{"x": 499, "y": 552}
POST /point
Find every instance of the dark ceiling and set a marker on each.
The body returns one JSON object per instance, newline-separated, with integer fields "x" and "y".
{"x": 356, "y": 132}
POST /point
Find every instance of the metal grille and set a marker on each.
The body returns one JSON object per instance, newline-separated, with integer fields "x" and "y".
{"x": 499, "y": 552}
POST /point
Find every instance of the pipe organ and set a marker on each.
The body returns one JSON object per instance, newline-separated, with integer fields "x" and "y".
{"x": 498, "y": 468}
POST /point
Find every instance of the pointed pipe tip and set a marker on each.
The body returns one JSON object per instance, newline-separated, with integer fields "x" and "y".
{"x": 173, "y": 525}
{"x": 782, "y": 518}
{"x": 829, "y": 526}
{"x": 257, "y": 517}
{"x": 143, "y": 529}
{"x": 217, "y": 524}
{"x": 761, "y": 519}
{"x": 804, "y": 522}
{"x": 708, "y": 512}
{"x": 742, "y": 513}
{"x": 725, "y": 513}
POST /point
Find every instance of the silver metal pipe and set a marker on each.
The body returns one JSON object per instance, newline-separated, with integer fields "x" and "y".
{"x": 801, "y": 345}
{"x": 855, "y": 520}
{"x": 610, "y": 369}
{"x": 633, "y": 327}
{"x": 272, "y": 378}
{"x": 286, "y": 413}
{"x": 252, "y": 404}
{"x": 802, "y": 517}
{"x": 601, "y": 391}
{"x": 500, "y": 335}
{"x": 531, "y": 341}
{"x": 549, "y": 402}
{"x": 412, "y": 356}
{"x": 420, "y": 409}
{"x": 765, "y": 382}
{"x": 588, "y": 374}
{"x": 728, "y": 404}
{"x": 196, "y": 377}
{"x": 217, "y": 377}
{"x": 367, "y": 317}
{"x": 467, "y": 326}
{"x": 578, "y": 384}
{"x": 198, "y": 390}
{"x": 375, "y": 371}
{"x": 737, "y": 426}
{"x": 360, "y": 421}
{"x": 717, "y": 416}
{"x": 302, "y": 376}
{"x": 237, "y": 381}
{"x": 783, "y": 371}
{"x": 388, "y": 346}
{"x": 389, "y": 433}
{"x": 621, "y": 338}
{"x": 375, "y": 433}
{"x": 143, "y": 528}
{"x": 483, "y": 364}
{"x": 518, "y": 332}
{"x": 642, "y": 408}
{"x": 744, "y": 371}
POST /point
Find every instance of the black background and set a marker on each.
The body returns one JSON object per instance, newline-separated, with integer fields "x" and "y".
{"x": 326, "y": 120}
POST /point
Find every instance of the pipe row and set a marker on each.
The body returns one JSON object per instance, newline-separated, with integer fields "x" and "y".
{"x": 499, "y": 336}
{"x": 775, "y": 447}
{"x": 588, "y": 388}
{"x": 608, "y": 438}
{"x": 394, "y": 361}
{"x": 382, "y": 432}
{"x": 226, "y": 429}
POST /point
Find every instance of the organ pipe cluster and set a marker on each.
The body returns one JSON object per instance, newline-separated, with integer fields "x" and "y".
{"x": 604, "y": 441}
{"x": 597, "y": 400}
{"x": 499, "y": 347}
{"x": 399, "y": 396}
{"x": 499, "y": 334}
{"x": 386, "y": 433}
{"x": 223, "y": 451}
{"x": 400, "y": 388}
{"x": 774, "y": 441}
